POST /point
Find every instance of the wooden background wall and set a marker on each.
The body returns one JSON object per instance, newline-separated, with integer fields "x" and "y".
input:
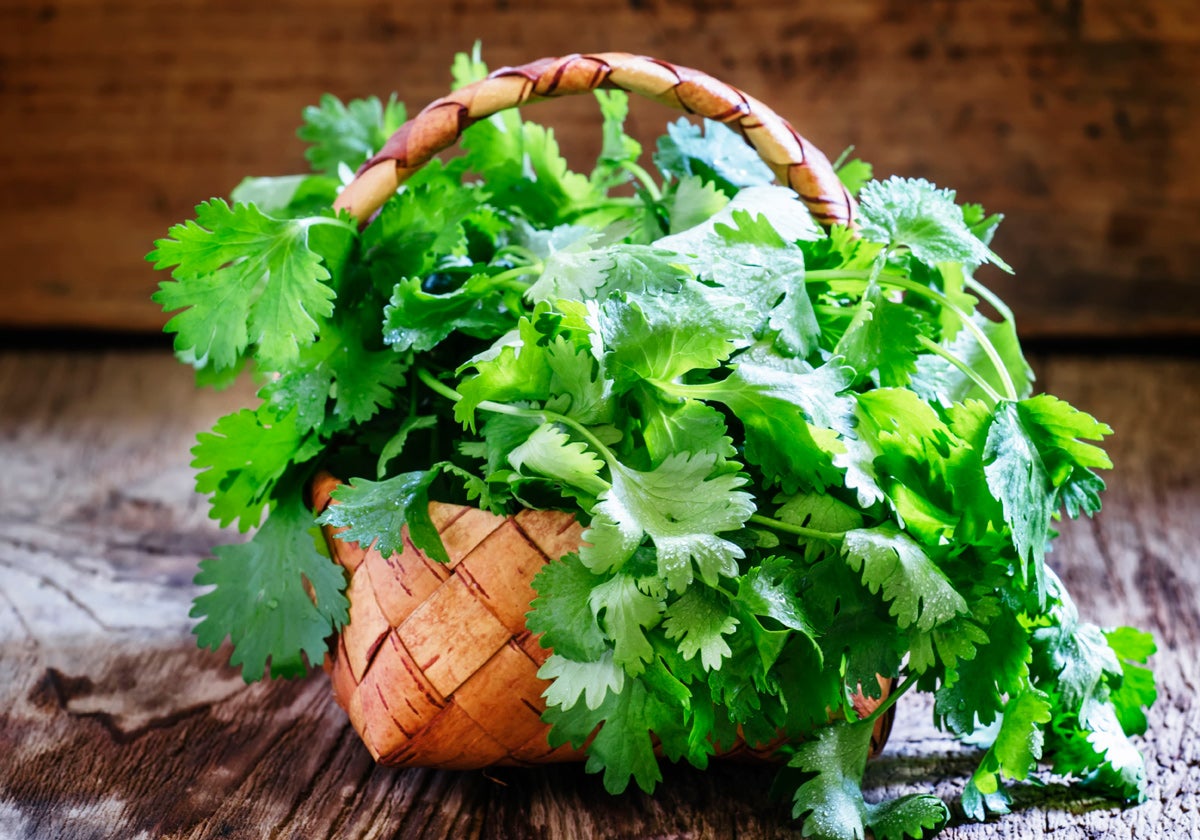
{"x": 1076, "y": 118}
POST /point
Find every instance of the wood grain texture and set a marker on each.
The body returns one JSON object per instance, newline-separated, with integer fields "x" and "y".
{"x": 113, "y": 725}
{"x": 1076, "y": 118}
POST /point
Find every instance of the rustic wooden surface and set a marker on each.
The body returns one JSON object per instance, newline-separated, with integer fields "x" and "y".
{"x": 113, "y": 725}
{"x": 1076, "y": 118}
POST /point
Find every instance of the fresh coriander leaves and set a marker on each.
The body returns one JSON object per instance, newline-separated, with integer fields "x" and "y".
{"x": 241, "y": 277}
{"x": 804, "y": 459}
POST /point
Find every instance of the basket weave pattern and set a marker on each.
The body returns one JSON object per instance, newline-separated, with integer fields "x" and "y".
{"x": 436, "y": 667}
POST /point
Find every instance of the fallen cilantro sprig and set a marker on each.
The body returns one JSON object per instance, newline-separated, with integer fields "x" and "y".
{"x": 804, "y": 458}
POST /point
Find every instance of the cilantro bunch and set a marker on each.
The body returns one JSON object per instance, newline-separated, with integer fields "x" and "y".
{"x": 804, "y": 458}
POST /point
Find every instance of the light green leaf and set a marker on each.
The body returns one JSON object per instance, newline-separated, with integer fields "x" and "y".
{"x": 699, "y": 619}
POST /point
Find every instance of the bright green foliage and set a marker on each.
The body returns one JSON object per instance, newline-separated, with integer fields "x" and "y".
{"x": 574, "y": 681}
{"x": 895, "y": 565}
{"x": 803, "y": 459}
{"x": 1018, "y": 744}
{"x": 243, "y": 457}
{"x": 625, "y": 614}
{"x": 259, "y": 600}
{"x": 373, "y": 513}
{"x": 913, "y": 213}
{"x": 715, "y": 154}
{"x": 699, "y": 619}
{"x": 241, "y": 278}
{"x": 346, "y": 134}
{"x": 831, "y": 800}
{"x": 561, "y": 612}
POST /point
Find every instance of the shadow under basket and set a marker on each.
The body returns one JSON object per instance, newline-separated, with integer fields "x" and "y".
{"x": 436, "y": 668}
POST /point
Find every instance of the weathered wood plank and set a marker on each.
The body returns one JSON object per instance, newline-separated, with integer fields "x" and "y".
{"x": 112, "y": 724}
{"x": 1076, "y": 119}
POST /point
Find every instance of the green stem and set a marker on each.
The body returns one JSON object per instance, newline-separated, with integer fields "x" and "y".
{"x": 991, "y": 297}
{"x": 939, "y": 350}
{"x": 798, "y": 530}
{"x": 542, "y": 414}
{"x": 989, "y": 349}
{"x": 437, "y": 386}
{"x": 506, "y": 279}
{"x": 644, "y": 179}
{"x": 916, "y": 288}
{"x": 313, "y": 221}
{"x": 882, "y": 708}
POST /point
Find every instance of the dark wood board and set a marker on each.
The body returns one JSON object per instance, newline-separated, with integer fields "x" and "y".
{"x": 1075, "y": 118}
{"x": 113, "y": 725}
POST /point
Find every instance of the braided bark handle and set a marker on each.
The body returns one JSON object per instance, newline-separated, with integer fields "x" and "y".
{"x": 795, "y": 161}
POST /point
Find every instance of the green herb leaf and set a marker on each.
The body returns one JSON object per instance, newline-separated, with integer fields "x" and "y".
{"x": 913, "y": 213}
{"x": 715, "y": 154}
{"x": 374, "y": 513}
{"x": 260, "y": 602}
{"x": 892, "y": 563}
{"x": 346, "y": 134}
{"x": 241, "y": 277}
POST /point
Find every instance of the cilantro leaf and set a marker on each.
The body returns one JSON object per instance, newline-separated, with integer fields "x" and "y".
{"x": 893, "y": 563}
{"x": 1018, "y": 744}
{"x": 550, "y": 452}
{"x": 241, "y": 277}
{"x": 790, "y": 419}
{"x": 626, "y": 613}
{"x": 973, "y": 694}
{"x": 661, "y": 337}
{"x": 716, "y": 154}
{"x": 698, "y": 620}
{"x": 374, "y": 513}
{"x": 831, "y": 801}
{"x": 526, "y": 173}
{"x": 561, "y": 612}
{"x": 243, "y": 457}
{"x": 682, "y": 505}
{"x": 260, "y": 602}
{"x": 1136, "y": 691}
{"x": 515, "y": 370}
{"x": 913, "y": 213}
{"x": 418, "y": 320}
{"x": 590, "y": 681}
{"x": 338, "y": 367}
{"x": 623, "y": 747}
{"x": 882, "y": 342}
{"x": 1017, "y": 477}
{"x": 690, "y": 425}
{"x": 939, "y": 381}
{"x": 691, "y": 201}
{"x": 346, "y": 134}
{"x": 770, "y": 589}
{"x": 581, "y": 271}
{"x": 417, "y": 227}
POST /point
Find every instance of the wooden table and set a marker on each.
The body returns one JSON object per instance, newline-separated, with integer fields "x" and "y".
{"x": 113, "y": 724}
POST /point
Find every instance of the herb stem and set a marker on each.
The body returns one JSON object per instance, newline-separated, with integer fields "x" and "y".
{"x": 313, "y": 221}
{"x": 939, "y": 350}
{"x": 916, "y": 288}
{"x": 892, "y": 697}
{"x": 509, "y": 278}
{"x": 643, "y": 178}
{"x": 991, "y": 297}
{"x": 798, "y": 530}
{"x": 542, "y": 414}
{"x": 989, "y": 349}
{"x": 437, "y": 386}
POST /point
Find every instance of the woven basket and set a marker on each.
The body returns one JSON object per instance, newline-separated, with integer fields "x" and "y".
{"x": 436, "y": 667}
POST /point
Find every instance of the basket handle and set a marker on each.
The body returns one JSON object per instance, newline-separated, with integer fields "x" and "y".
{"x": 795, "y": 161}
